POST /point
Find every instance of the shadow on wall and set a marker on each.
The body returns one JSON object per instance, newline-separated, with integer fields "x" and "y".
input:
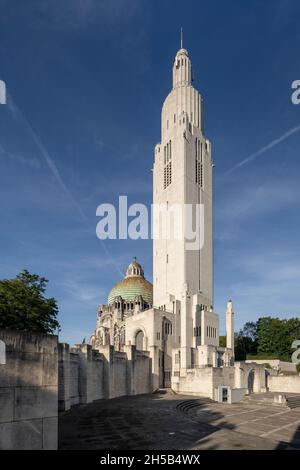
{"x": 28, "y": 391}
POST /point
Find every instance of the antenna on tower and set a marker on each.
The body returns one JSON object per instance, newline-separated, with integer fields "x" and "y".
{"x": 181, "y": 38}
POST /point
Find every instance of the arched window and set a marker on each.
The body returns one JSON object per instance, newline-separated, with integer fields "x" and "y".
{"x": 139, "y": 340}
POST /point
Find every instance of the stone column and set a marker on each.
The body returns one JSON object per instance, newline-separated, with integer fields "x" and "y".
{"x": 214, "y": 359}
{"x": 185, "y": 334}
{"x": 130, "y": 369}
{"x": 230, "y": 327}
{"x": 154, "y": 355}
{"x": 108, "y": 354}
{"x": 63, "y": 377}
{"x": 85, "y": 373}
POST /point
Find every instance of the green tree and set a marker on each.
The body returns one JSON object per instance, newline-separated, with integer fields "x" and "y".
{"x": 276, "y": 336}
{"x": 222, "y": 341}
{"x": 250, "y": 331}
{"x": 23, "y": 305}
{"x": 243, "y": 345}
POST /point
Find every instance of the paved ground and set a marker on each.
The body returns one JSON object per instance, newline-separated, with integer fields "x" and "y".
{"x": 164, "y": 420}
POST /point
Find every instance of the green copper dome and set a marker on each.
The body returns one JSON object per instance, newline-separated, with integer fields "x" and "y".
{"x": 133, "y": 284}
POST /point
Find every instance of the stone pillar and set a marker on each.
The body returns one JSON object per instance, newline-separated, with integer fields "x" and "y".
{"x": 238, "y": 379}
{"x": 230, "y": 326}
{"x": 130, "y": 369}
{"x": 259, "y": 385}
{"x": 108, "y": 355}
{"x": 85, "y": 373}
{"x": 63, "y": 377}
{"x": 185, "y": 334}
{"x": 214, "y": 359}
{"x": 154, "y": 354}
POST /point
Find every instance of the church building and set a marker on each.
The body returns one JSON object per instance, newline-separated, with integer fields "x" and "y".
{"x": 174, "y": 320}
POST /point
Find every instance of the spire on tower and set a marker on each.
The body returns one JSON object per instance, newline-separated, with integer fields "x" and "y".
{"x": 181, "y": 38}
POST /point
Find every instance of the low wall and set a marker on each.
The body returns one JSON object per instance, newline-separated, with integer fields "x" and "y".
{"x": 287, "y": 384}
{"x": 28, "y": 391}
{"x": 275, "y": 363}
{"x": 203, "y": 381}
{"x": 86, "y": 375}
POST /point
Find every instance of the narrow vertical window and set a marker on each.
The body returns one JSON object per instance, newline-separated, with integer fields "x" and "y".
{"x": 168, "y": 165}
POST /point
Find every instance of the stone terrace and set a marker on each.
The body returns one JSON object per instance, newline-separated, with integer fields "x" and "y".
{"x": 165, "y": 420}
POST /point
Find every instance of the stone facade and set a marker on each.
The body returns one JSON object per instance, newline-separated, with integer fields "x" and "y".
{"x": 131, "y": 295}
{"x": 28, "y": 391}
{"x": 285, "y": 384}
{"x": 176, "y": 324}
{"x": 86, "y": 375}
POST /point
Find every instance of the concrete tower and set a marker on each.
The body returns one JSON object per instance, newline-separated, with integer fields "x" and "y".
{"x": 230, "y": 326}
{"x": 182, "y": 174}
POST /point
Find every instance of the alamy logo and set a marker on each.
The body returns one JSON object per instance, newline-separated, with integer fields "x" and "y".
{"x": 165, "y": 221}
{"x": 296, "y": 94}
{"x": 296, "y": 354}
{"x": 2, "y": 92}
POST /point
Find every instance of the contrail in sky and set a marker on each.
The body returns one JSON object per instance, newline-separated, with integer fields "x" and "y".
{"x": 264, "y": 149}
{"x": 18, "y": 115}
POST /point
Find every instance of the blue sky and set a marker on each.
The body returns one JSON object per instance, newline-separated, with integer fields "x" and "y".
{"x": 86, "y": 82}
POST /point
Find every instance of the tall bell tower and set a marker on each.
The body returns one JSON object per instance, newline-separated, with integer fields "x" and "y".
{"x": 182, "y": 175}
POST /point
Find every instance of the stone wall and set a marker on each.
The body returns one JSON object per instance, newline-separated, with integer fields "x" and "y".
{"x": 198, "y": 381}
{"x": 275, "y": 363}
{"x": 28, "y": 391}
{"x": 204, "y": 381}
{"x": 287, "y": 384}
{"x": 86, "y": 375}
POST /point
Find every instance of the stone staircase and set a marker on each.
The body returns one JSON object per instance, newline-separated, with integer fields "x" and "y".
{"x": 293, "y": 401}
{"x": 189, "y": 405}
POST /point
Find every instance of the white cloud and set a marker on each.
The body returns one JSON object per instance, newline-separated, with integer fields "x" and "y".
{"x": 4, "y": 154}
{"x": 264, "y": 149}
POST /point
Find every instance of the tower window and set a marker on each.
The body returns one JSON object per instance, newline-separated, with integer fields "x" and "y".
{"x": 197, "y": 331}
{"x": 198, "y": 163}
{"x": 168, "y": 165}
